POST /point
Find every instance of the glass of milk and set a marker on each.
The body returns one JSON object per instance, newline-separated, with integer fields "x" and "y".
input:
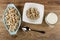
{"x": 51, "y": 19}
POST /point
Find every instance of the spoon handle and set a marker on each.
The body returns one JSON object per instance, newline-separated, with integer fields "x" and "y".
{"x": 38, "y": 31}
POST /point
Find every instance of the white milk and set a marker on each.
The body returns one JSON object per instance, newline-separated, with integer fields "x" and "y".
{"x": 51, "y": 18}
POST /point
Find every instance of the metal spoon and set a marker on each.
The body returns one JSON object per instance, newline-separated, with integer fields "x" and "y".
{"x": 28, "y": 29}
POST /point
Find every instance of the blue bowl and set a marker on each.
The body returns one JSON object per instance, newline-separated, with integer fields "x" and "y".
{"x": 4, "y": 20}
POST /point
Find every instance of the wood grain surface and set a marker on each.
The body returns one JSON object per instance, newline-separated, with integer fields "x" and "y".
{"x": 51, "y": 33}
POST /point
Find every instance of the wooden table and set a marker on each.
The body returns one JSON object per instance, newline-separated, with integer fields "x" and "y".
{"x": 51, "y": 33}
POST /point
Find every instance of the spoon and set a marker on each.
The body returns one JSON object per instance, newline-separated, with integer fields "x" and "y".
{"x": 28, "y": 29}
